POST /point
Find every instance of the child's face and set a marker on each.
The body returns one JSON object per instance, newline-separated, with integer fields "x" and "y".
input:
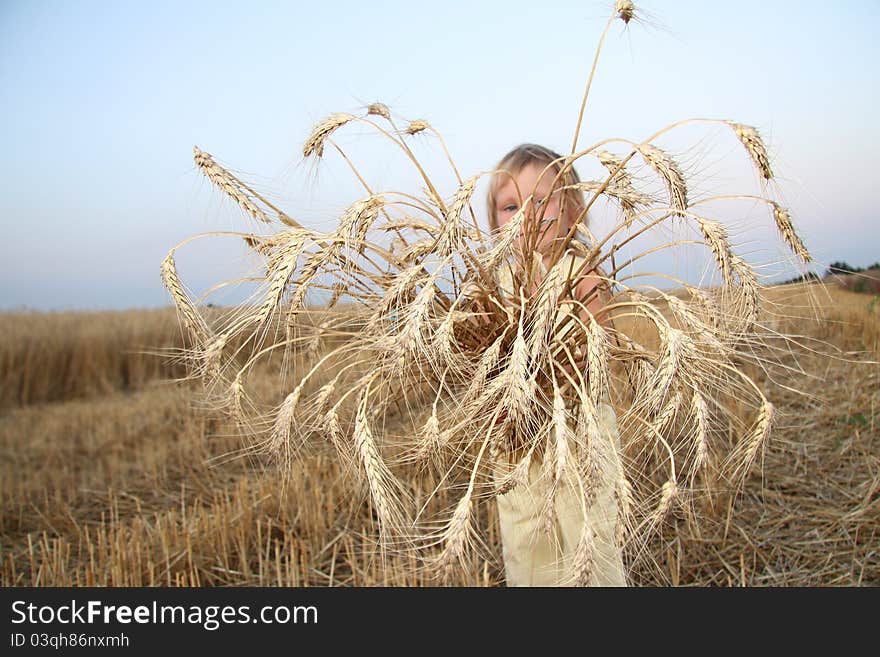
{"x": 530, "y": 181}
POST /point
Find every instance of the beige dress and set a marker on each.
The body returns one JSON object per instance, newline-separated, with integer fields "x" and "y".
{"x": 535, "y": 557}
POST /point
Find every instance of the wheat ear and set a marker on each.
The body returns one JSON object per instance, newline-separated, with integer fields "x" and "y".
{"x": 753, "y": 143}
{"x": 667, "y": 168}
{"x": 315, "y": 143}
{"x": 379, "y": 478}
{"x": 227, "y": 182}
{"x": 786, "y": 229}
{"x": 185, "y": 308}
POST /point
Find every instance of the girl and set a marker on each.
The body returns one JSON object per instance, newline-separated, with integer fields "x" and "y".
{"x": 534, "y": 555}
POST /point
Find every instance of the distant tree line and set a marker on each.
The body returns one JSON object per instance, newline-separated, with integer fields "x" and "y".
{"x": 846, "y": 268}
{"x": 869, "y": 282}
{"x": 809, "y": 276}
{"x": 839, "y": 267}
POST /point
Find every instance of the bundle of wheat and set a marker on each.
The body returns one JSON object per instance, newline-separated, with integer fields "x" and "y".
{"x": 512, "y": 368}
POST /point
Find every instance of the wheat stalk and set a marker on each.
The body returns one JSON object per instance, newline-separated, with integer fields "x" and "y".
{"x": 755, "y": 146}
{"x": 314, "y": 145}
{"x": 186, "y": 310}
{"x": 228, "y": 183}
{"x": 669, "y": 493}
{"x": 378, "y": 476}
{"x": 431, "y": 442}
{"x": 516, "y": 381}
{"x": 674, "y": 349}
{"x": 597, "y": 360}
{"x": 584, "y": 559}
{"x": 665, "y": 166}
{"x": 455, "y": 537}
{"x": 519, "y": 475}
{"x": 560, "y": 440}
{"x": 716, "y": 237}
{"x": 334, "y": 430}
{"x": 701, "y": 430}
{"x": 757, "y": 439}
{"x": 623, "y": 496}
{"x": 453, "y": 230}
{"x": 279, "y": 441}
{"x": 786, "y": 229}
{"x": 500, "y": 339}
{"x": 591, "y": 465}
{"x": 417, "y": 126}
{"x": 625, "y": 10}
{"x": 379, "y": 109}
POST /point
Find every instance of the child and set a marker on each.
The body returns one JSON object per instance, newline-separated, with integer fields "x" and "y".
{"x": 532, "y": 555}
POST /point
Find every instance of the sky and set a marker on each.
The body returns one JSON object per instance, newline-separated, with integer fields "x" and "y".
{"x": 101, "y": 104}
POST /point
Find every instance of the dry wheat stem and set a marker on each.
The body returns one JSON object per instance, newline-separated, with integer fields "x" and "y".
{"x": 191, "y": 317}
{"x": 580, "y": 119}
{"x": 426, "y": 320}
{"x": 442, "y": 142}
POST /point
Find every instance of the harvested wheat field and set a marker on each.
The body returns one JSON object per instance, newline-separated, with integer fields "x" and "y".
{"x": 112, "y": 475}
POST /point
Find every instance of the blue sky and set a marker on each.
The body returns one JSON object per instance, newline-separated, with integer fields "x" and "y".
{"x": 101, "y": 103}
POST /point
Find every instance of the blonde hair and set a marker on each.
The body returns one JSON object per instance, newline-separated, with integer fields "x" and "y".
{"x": 572, "y": 198}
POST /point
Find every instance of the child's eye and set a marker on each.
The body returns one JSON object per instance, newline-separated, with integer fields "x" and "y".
{"x": 509, "y": 208}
